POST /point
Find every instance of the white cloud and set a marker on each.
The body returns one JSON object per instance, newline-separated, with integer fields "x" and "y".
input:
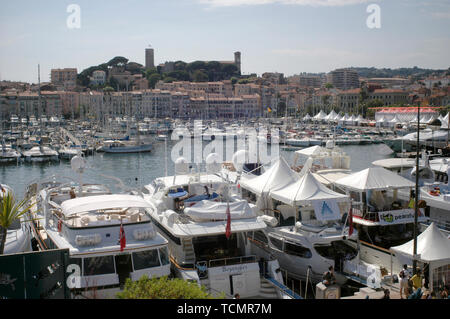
{"x": 312, "y": 3}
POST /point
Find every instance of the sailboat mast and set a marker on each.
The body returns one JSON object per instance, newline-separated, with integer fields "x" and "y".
{"x": 39, "y": 107}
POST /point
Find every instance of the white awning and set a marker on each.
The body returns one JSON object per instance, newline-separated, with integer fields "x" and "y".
{"x": 277, "y": 176}
{"x": 306, "y": 190}
{"x": 432, "y": 245}
{"x": 91, "y": 203}
{"x": 374, "y": 178}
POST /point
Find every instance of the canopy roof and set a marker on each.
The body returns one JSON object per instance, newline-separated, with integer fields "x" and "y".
{"x": 306, "y": 190}
{"x": 311, "y": 151}
{"x": 331, "y": 116}
{"x": 432, "y": 245}
{"x": 277, "y": 176}
{"x": 374, "y": 178}
{"x": 306, "y": 117}
{"x": 395, "y": 120}
{"x": 320, "y": 116}
{"x": 90, "y": 203}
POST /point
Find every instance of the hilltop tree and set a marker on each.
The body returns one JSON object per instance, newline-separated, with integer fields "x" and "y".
{"x": 118, "y": 61}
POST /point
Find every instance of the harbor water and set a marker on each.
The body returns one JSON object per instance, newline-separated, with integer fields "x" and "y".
{"x": 138, "y": 169}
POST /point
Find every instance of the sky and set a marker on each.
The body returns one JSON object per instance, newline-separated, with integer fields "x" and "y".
{"x": 288, "y": 36}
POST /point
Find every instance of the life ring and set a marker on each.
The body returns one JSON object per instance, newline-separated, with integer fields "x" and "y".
{"x": 434, "y": 193}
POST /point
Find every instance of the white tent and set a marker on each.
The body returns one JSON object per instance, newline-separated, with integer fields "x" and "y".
{"x": 306, "y": 190}
{"x": 307, "y": 117}
{"x": 424, "y": 119}
{"x": 320, "y": 116}
{"x": 331, "y": 116}
{"x": 444, "y": 121}
{"x": 380, "y": 121}
{"x": 433, "y": 248}
{"x": 374, "y": 178}
{"x": 311, "y": 151}
{"x": 360, "y": 118}
{"x": 277, "y": 176}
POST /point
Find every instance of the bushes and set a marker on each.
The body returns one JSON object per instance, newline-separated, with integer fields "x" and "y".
{"x": 162, "y": 288}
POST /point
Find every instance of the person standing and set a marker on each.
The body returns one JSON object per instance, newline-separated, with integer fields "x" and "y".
{"x": 417, "y": 280}
{"x": 404, "y": 279}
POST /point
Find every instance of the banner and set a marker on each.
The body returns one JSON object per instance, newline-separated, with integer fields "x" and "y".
{"x": 327, "y": 210}
{"x": 402, "y": 216}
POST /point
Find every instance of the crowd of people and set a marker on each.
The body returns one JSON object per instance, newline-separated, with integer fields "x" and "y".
{"x": 411, "y": 286}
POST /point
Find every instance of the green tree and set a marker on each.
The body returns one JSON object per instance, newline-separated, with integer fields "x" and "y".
{"x": 118, "y": 61}
{"x": 149, "y": 72}
{"x": 329, "y": 86}
{"x": 10, "y": 212}
{"x": 162, "y": 288}
{"x": 199, "y": 76}
{"x": 169, "y": 79}
{"x": 153, "y": 79}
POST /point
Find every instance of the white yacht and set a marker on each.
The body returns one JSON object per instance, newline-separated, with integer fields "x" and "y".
{"x": 118, "y": 146}
{"x": 9, "y": 155}
{"x": 306, "y": 229}
{"x": 382, "y": 217}
{"x": 40, "y": 154}
{"x": 89, "y": 220}
{"x": 190, "y": 210}
{"x": 68, "y": 152}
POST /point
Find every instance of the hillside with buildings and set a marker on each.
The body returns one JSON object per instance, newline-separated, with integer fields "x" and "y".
{"x": 216, "y": 89}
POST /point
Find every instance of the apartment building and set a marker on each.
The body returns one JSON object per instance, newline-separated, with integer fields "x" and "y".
{"x": 64, "y": 79}
{"x": 344, "y": 79}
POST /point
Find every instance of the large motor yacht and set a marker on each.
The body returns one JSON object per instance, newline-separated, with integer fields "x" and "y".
{"x": 110, "y": 237}
{"x": 190, "y": 211}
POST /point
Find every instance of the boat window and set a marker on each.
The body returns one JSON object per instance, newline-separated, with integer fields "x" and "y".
{"x": 297, "y": 250}
{"x": 336, "y": 249}
{"x": 98, "y": 265}
{"x": 215, "y": 247}
{"x": 278, "y": 243}
{"x": 260, "y": 236}
{"x": 164, "y": 255}
{"x": 145, "y": 259}
{"x": 387, "y": 236}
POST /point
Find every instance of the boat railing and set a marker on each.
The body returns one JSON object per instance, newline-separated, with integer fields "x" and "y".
{"x": 442, "y": 224}
{"x": 232, "y": 261}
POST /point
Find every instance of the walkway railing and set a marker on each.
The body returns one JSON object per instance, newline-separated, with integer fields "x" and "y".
{"x": 282, "y": 287}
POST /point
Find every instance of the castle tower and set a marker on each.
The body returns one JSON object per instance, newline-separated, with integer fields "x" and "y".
{"x": 149, "y": 58}
{"x": 237, "y": 60}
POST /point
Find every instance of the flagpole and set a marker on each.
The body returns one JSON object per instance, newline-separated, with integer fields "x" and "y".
{"x": 416, "y": 202}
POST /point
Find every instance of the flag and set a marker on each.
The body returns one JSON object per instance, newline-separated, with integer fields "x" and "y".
{"x": 228, "y": 228}
{"x": 122, "y": 239}
{"x": 350, "y": 222}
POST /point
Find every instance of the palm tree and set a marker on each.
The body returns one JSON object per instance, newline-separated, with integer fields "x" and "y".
{"x": 10, "y": 211}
